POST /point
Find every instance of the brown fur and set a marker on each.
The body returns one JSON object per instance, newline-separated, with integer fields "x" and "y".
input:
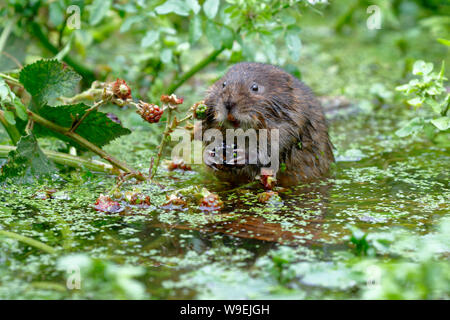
{"x": 281, "y": 102}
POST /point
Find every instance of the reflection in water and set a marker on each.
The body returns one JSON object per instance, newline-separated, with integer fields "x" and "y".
{"x": 296, "y": 219}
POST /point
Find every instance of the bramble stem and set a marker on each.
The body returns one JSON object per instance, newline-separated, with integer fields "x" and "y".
{"x": 30, "y": 241}
{"x": 81, "y": 141}
{"x": 166, "y": 133}
{"x": 9, "y": 78}
{"x": 12, "y": 131}
{"x": 68, "y": 160}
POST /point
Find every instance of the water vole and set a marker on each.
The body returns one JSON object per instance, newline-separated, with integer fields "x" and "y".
{"x": 262, "y": 96}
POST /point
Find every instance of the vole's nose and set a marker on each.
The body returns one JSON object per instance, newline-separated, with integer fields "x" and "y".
{"x": 229, "y": 104}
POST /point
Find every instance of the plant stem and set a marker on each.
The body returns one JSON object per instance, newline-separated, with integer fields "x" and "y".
{"x": 12, "y": 131}
{"x": 87, "y": 74}
{"x": 29, "y": 241}
{"x": 81, "y": 141}
{"x": 199, "y": 66}
{"x": 68, "y": 160}
{"x": 166, "y": 133}
{"x": 9, "y": 78}
{"x": 6, "y": 32}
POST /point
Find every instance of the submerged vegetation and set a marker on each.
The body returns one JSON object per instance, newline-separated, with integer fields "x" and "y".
{"x": 91, "y": 206}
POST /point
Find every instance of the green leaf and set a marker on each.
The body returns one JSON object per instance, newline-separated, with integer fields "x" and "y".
{"x": 173, "y": 6}
{"x": 211, "y": 7}
{"x": 150, "y": 38}
{"x": 412, "y": 127}
{"x": 422, "y": 68}
{"x": 47, "y": 80}
{"x": 416, "y": 102}
{"x": 294, "y": 45}
{"x": 213, "y": 34}
{"x": 21, "y": 110}
{"x": 195, "y": 29}
{"x": 166, "y": 55}
{"x": 9, "y": 117}
{"x": 442, "y": 123}
{"x": 444, "y": 42}
{"x": 227, "y": 37}
{"x": 96, "y": 127}
{"x": 27, "y": 161}
{"x": 99, "y": 9}
{"x": 193, "y": 4}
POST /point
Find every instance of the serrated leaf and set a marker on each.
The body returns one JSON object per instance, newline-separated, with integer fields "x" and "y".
{"x": 442, "y": 123}
{"x": 47, "y": 80}
{"x": 294, "y": 45}
{"x": 99, "y": 9}
{"x": 211, "y": 7}
{"x": 150, "y": 38}
{"x": 173, "y": 6}
{"x": 195, "y": 29}
{"x": 27, "y": 161}
{"x": 9, "y": 117}
{"x": 96, "y": 127}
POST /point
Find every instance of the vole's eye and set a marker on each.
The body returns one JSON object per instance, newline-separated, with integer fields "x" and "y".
{"x": 254, "y": 87}
{"x": 224, "y": 84}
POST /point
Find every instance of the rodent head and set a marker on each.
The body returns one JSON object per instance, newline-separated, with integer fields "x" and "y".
{"x": 250, "y": 95}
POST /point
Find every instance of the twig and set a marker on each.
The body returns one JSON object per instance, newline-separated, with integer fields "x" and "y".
{"x": 77, "y": 123}
{"x": 32, "y": 242}
{"x": 199, "y": 66}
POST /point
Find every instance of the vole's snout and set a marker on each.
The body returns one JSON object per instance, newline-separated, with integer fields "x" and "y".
{"x": 229, "y": 104}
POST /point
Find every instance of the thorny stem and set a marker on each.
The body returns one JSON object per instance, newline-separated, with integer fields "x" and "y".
{"x": 90, "y": 94}
{"x": 166, "y": 133}
{"x": 81, "y": 141}
{"x": 69, "y": 160}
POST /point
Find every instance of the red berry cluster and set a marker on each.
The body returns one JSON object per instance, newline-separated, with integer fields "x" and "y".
{"x": 211, "y": 202}
{"x": 149, "y": 112}
{"x": 172, "y": 99}
{"x": 178, "y": 164}
{"x": 121, "y": 90}
{"x": 268, "y": 181}
{"x": 106, "y": 204}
